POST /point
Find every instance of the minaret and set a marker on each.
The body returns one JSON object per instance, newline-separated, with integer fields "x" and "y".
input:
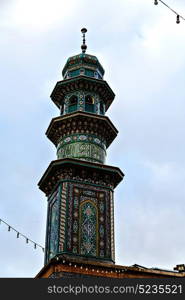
{"x": 79, "y": 185}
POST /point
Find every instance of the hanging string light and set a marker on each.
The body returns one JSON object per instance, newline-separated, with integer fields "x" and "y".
{"x": 178, "y": 16}
{"x": 178, "y": 19}
{"x": 18, "y": 234}
{"x": 28, "y": 240}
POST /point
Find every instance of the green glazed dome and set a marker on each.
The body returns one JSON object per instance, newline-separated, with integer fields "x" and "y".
{"x": 83, "y": 64}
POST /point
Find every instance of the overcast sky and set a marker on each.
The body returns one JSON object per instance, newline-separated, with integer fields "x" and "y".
{"x": 142, "y": 50}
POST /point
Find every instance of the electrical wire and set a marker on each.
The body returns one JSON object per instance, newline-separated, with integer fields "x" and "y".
{"x": 27, "y": 239}
{"x": 178, "y": 16}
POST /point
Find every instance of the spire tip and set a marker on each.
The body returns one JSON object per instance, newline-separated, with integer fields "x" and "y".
{"x": 84, "y": 46}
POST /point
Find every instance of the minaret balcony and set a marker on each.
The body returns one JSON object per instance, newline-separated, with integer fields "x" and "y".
{"x": 85, "y": 84}
{"x": 82, "y": 123}
{"x": 76, "y": 170}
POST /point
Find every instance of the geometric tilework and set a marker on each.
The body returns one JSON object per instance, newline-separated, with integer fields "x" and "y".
{"x": 80, "y": 221}
{"x": 62, "y": 216}
{"x": 88, "y": 221}
{"x": 88, "y": 233}
{"x": 53, "y": 225}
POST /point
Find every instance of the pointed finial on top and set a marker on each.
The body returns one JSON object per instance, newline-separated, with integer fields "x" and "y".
{"x": 84, "y": 46}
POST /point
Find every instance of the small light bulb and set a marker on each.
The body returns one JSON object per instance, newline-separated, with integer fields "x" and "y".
{"x": 156, "y": 2}
{"x": 17, "y": 235}
{"x": 178, "y": 19}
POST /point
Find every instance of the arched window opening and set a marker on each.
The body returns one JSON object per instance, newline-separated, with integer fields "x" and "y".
{"x": 62, "y": 109}
{"x": 96, "y": 74}
{"x": 73, "y": 102}
{"x": 101, "y": 108}
{"x": 82, "y": 71}
{"x": 89, "y": 103}
{"x": 67, "y": 75}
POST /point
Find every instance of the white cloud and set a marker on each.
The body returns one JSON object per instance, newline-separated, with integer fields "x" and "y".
{"x": 164, "y": 172}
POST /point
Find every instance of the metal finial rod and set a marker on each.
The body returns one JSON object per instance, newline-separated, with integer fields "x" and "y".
{"x": 84, "y": 46}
